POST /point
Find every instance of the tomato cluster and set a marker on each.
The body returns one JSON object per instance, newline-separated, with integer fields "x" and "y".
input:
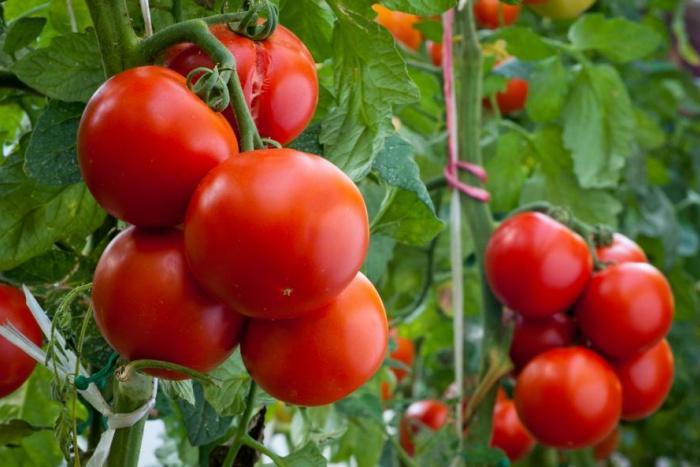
{"x": 588, "y": 346}
{"x": 261, "y": 248}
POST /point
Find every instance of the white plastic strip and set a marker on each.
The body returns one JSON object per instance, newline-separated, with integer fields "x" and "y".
{"x": 146, "y": 12}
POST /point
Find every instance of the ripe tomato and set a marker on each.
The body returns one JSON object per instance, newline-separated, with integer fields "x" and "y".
{"x": 536, "y": 266}
{"x": 278, "y": 76}
{"x": 622, "y": 250}
{"x": 435, "y": 51}
{"x": 428, "y": 414}
{"x": 625, "y": 309}
{"x": 404, "y": 353}
{"x": 568, "y": 398}
{"x": 605, "y": 448}
{"x": 508, "y": 432}
{"x": 646, "y": 380}
{"x": 276, "y": 233}
{"x": 15, "y": 365}
{"x": 513, "y": 98}
{"x": 533, "y": 337}
{"x": 400, "y": 25}
{"x": 560, "y": 9}
{"x": 148, "y": 306}
{"x": 324, "y": 356}
{"x": 492, "y": 14}
{"x": 144, "y": 143}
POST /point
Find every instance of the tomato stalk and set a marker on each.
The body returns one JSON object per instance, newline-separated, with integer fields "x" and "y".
{"x": 127, "y": 371}
{"x": 129, "y": 395}
{"x": 242, "y": 429}
{"x": 115, "y": 35}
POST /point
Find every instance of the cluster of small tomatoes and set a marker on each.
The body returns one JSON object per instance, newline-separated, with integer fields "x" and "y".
{"x": 588, "y": 346}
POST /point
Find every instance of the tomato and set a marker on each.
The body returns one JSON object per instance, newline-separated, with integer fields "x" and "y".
{"x": 144, "y": 143}
{"x": 404, "y": 353}
{"x": 276, "y": 233}
{"x": 435, "y": 51}
{"x": 568, "y": 398}
{"x": 15, "y": 365}
{"x": 508, "y": 432}
{"x": 622, "y": 250}
{"x": 400, "y": 25}
{"x": 428, "y": 414}
{"x": 626, "y": 309}
{"x": 513, "y": 98}
{"x": 533, "y": 337}
{"x": 605, "y": 448}
{"x": 536, "y": 266}
{"x": 560, "y": 9}
{"x": 148, "y": 306}
{"x": 324, "y": 356}
{"x": 278, "y": 76}
{"x": 492, "y": 14}
{"x": 646, "y": 380}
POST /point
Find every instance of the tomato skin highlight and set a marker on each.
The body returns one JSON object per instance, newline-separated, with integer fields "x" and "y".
{"x": 568, "y": 398}
{"x": 400, "y": 25}
{"x": 276, "y": 233}
{"x": 536, "y": 266}
{"x": 622, "y": 250}
{"x": 427, "y": 414}
{"x": 646, "y": 381}
{"x": 16, "y": 366}
{"x": 626, "y": 309}
{"x": 144, "y": 143}
{"x": 533, "y": 337}
{"x": 492, "y": 14}
{"x": 147, "y": 305}
{"x": 508, "y": 432}
{"x": 278, "y": 76}
{"x": 324, "y": 356}
{"x": 404, "y": 352}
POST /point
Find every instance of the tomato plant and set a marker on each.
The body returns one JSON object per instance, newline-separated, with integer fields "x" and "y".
{"x": 492, "y": 14}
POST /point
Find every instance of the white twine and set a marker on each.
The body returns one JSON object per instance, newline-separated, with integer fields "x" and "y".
{"x": 146, "y": 12}
{"x": 64, "y": 363}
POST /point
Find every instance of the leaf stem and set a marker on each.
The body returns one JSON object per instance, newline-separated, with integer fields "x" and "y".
{"x": 127, "y": 371}
{"x": 247, "y": 440}
{"x": 242, "y": 430}
{"x": 115, "y": 35}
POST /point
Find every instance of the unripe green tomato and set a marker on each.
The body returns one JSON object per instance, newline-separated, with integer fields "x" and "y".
{"x": 562, "y": 9}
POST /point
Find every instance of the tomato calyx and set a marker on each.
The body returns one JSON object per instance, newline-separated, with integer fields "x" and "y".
{"x": 211, "y": 86}
{"x": 259, "y": 20}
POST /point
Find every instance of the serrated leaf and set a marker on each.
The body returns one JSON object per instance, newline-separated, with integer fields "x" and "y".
{"x": 506, "y": 173}
{"x": 76, "y": 55}
{"x": 48, "y": 268}
{"x": 312, "y": 22}
{"x": 308, "y": 141}
{"x": 599, "y": 126}
{"x": 617, "y": 39}
{"x": 420, "y": 7}
{"x": 179, "y": 390}
{"x": 381, "y": 250}
{"x": 548, "y": 87}
{"x": 308, "y": 456}
{"x": 13, "y": 431}
{"x": 370, "y": 77}
{"x": 363, "y": 405}
{"x": 202, "y": 423}
{"x": 526, "y": 44}
{"x": 228, "y": 398}
{"x": 51, "y": 157}
{"x": 22, "y": 33}
{"x": 407, "y": 214}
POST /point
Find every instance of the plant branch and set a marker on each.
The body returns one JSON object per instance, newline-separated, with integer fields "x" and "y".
{"x": 115, "y": 35}
{"x": 242, "y": 430}
{"x": 261, "y": 448}
{"x": 129, "y": 396}
{"x": 127, "y": 371}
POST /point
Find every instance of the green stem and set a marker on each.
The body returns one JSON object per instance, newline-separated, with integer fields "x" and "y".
{"x": 126, "y": 372}
{"x": 177, "y": 11}
{"x": 116, "y": 37}
{"x": 129, "y": 396}
{"x": 242, "y": 430}
{"x": 197, "y": 31}
{"x": 251, "y": 443}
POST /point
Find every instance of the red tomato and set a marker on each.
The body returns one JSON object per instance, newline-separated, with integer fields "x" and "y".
{"x": 533, "y": 337}
{"x": 428, "y": 414}
{"x": 276, "y": 233}
{"x": 144, "y": 143}
{"x": 508, "y": 432}
{"x": 278, "y": 76}
{"x": 626, "y": 309}
{"x": 514, "y": 98}
{"x": 536, "y": 266}
{"x": 435, "y": 51}
{"x": 15, "y": 365}
{"x": 404, "y": 353}
{"x": 492, "y": 14}
{"x": 646, "y": 380}
{"x": 324, "y": 356}
{"x": 622, "y": 250}
{"x": 385, "y": 391}
{"x": 148, "y": 306}
{"x": 605, "y": 448}
{"x": 400, "y": 25}
{"x": 568, "y": 398}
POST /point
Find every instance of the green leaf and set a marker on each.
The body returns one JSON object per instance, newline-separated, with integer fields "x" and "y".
{"x": 51, "y": 157}
{"x": 202, "y": 423}
{"x": 407, "y": 213}
{"x": 483, "y": 455}
{"x": 12, "y": 432}
{"x": 381, "y": 250}
{"x": 370, "y": 77}
{"x": 179, "y": 390}
{"x": 74, "y": 55}
{"x": 312, "y": 22}
{"x": 617, "y": 39}
{"x": 33, "y": 217}
{"x": 308, "y": 141}
{"x": 228, "y": 399}
{"x": 49, "y": 268}
{"x": 555, "y": 182}
{"x": 649, "y": 134}
{"x": 420, "y": 7}
{"x": 21, "y": 33}
{"x": 362, "y": 406}
{"x": 526, "y": 44}
{"x": 308, "y": 456}
{"x": 599, "y": 126}
{"x": 548, "y": 87}
{"x": 506, "y": 172}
